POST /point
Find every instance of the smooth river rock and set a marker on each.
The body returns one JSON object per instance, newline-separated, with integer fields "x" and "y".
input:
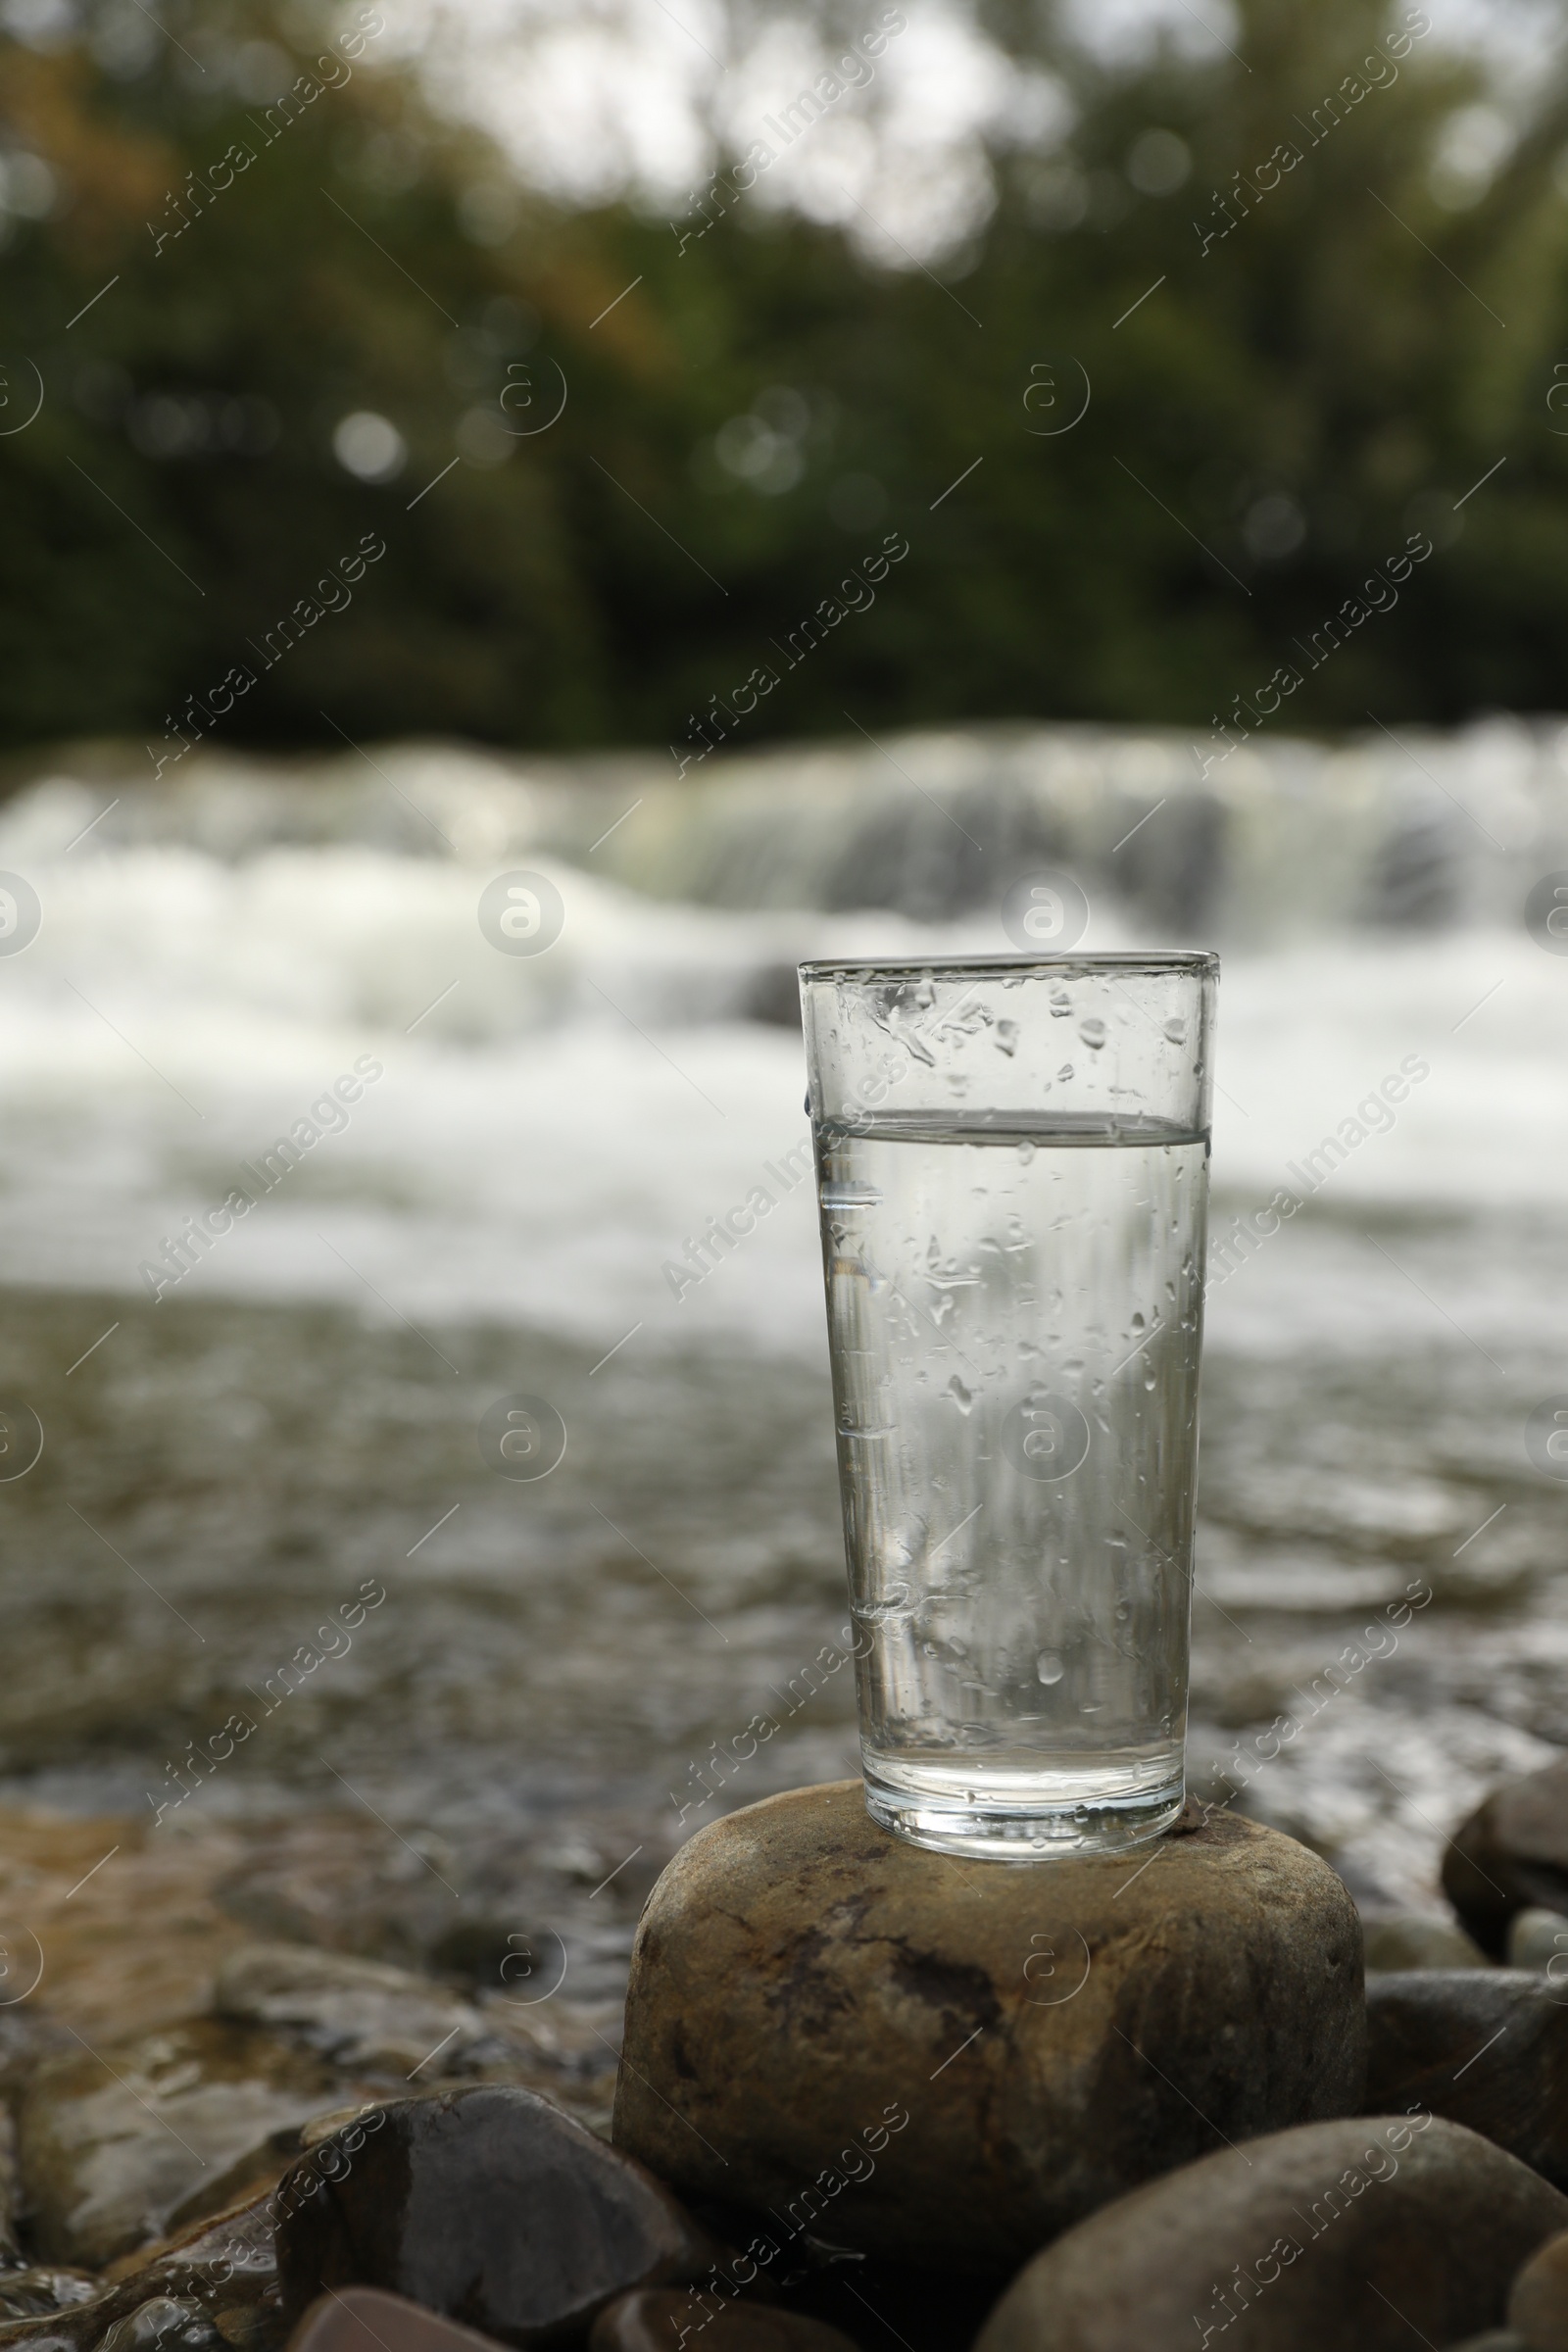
{"x": 1370, "y": 2235}
{"x": 949, "y": 2061}
{"x": 1486, "y": 2048}
{"x": 1400, "y": 1939}
{"x": 1538, "y": 2305}
{"x": 1539, "y": 1940}
{"x": 488, "y": 2205}
{"x": 1510, "y": 1855}
{"x": 366, "y": 2319}
{"x": 661, "y": 2320}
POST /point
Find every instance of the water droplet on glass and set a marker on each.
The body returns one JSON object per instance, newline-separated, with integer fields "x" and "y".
{"x": 1176, "y": 1031}
{"x": 961, "y": 1395}
{"x": 1093, "y": 1032}
{"x": 1065, "y": 1070}
{"x": 1137, "y": 1321}
{"x": 1026, "y": 1153}
{"x": 930, "y": 1648}
{"x": 1006, "y": 1039}
{"x": 1149, "y": 1382}
{"x": 1049, "y": 1667}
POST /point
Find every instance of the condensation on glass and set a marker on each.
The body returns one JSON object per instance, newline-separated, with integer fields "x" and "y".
{"x": 1012, "y": 1169}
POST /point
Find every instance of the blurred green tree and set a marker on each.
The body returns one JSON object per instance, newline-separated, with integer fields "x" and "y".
{"x": 359, "y": 333}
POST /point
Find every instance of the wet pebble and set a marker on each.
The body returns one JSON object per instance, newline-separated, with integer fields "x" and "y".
{"x": 1486, "y": 2048}
{"x": 365, "y": 2318}
{"x": 489, "y": 2205}
{"x": 1536, "y": 1938}
{"x": 1374, "y": 2233}
{"x": 661, "y": 2321}
{"x": 1398, "y": 1940}
{"x": 1510, "y": 1855}
{"x": 1538, "y": 2304}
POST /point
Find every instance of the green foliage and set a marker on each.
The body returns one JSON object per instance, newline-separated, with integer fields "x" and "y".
{"x": 1300, "y": 393}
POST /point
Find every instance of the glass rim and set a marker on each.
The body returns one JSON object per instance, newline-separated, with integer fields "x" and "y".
{"x": 935, "y": 967}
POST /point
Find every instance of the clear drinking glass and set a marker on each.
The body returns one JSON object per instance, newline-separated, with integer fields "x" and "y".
{"x": 1012, "y": 1170}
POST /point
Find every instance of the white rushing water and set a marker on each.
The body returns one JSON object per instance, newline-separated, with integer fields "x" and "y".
{"x": 526, "y": 1145}
{"x": 210, "y": 959}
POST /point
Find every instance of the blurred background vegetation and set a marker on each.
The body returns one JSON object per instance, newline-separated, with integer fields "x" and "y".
{"x": 251, "y": 396}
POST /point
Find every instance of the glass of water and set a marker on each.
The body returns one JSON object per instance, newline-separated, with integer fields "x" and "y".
{"x": 1013, "y": 1171}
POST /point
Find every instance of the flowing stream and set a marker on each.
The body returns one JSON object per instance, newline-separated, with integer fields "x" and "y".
{"x": 498, "y": 1203}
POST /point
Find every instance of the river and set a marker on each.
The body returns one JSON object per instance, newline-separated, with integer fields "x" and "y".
{"x": 519, "y": 1151}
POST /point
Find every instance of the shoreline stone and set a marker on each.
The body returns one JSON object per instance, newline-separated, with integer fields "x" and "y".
{"x": 952, "y": 2061}
{"x": 1538, "y": 2302}
{"x": 1405, "y": 1940}
{"x": 660, "y": 2320}
{"x": 366, "y": 2319}
{"x": 1510, "y": 1855}
{"x": 490, "y": 2206}
{"x": 1486, "y": 2048}
{"x": 1401, "y": 2232}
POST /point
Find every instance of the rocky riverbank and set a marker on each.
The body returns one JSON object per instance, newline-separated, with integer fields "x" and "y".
{"x": 312, "y": 2080}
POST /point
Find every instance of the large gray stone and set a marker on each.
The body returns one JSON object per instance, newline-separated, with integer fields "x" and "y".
{"x": 949, "y": 2061}
{"x": 1486, "y": 2048}
{"x": 1369, "y": 2235}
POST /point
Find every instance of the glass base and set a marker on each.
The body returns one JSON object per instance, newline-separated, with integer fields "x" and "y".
{"x": 1037, "y": 1832}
